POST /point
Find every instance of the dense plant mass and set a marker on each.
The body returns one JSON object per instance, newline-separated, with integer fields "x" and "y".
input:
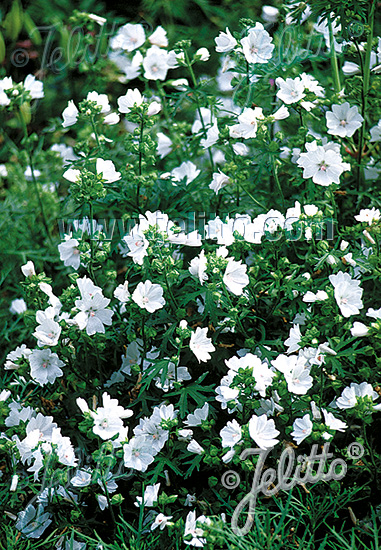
{"x": 201, "y": 283}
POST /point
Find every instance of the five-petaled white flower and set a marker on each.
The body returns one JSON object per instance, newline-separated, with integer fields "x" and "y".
{"x": 257, "y": 45}
{"x": 45, "y": 366}
{"x": 343, "y": 120}
{"x": 322, "y": 163}
{"x": 347, "y": 293}
{"x": 302, "y": 428}
{"x": 149, "y": 296}
{"x": 201, "y": 345}
{"x": 263, "y": 431}
{"x": 225, "y": 42}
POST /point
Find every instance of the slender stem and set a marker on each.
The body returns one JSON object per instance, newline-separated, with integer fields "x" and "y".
{"x": 251, "y": 196}
{"x": 194, "y": 82}
{"x": 174, "y": 137}
{"x": 275, "y": 168}
{"x": 91, "y": 216}
{"x": 108, "y": 500}
{"x": 334, "y": 64}
{"x": 365, "y": 69}
{"x": 140, "y": 160}
{"x": 35, "y": 183}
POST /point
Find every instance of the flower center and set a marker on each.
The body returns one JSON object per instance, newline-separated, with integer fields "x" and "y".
{"x": 343, "y": 122}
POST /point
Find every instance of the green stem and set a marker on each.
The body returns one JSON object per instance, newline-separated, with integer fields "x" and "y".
{"x": 251, "y": 196}
{"x": 334, "y": 64}
{"x": 365, "y": 69}
{"x": 275, "y": 168}
{"x": 91, "y": 268}
{"x": 194, "y": 82}
{"x": 35, "y": 183}
{"x": 140, "y": 161}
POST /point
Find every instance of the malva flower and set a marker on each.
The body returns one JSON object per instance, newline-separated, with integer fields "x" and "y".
{"x": 322, "y": 163}
{"x": 201, "y": 345}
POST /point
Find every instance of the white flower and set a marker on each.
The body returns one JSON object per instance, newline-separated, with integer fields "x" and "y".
{"x": 220, "y": 180}
{"x": 45, "y": 366}
{"x": 240, "y": 149}
{"x": 137, "y": 245}
{"x": 247, "y": 127}
{"x": 164, "y": 145}
{"x": 320, "y": 296}
{"x": 231, "y": 434}
{"x": 290, "y": 90}
{"x": 302, "y": 428}
{"x": 101, "y": 100}
{"x": 160, "y": 521}
{"x": 34, "y": 86}
{"x": 129, "y": 38}
{"x": 18, "y": 306}
{"x": 374, "y": 313}
{"x": 201, "y": 345}
{"x": 257, "y": 46}
{"x": 28, "y": 269}
{"x": 31, "y": 522}
{"x": 108, "y": 419}
{"x": 72, "y": 174}
{"x": 3, "y": 171}
{"x": 138, "y": 454}
{"x": 93, "y": 313}
{"x": 194, "y": 447}
{"x": 159, "y": 37}
{"x": 197, "y": 417}
{"x": 121, "y": 293}
{"x": 293, "y": 340}
{"x": 192, "y": 529}
{"x": 225, "y": 42}
{"x": 47, "y": 333}
{"x": 296, "y": 373}
{"x": 347, "y": 293}
{"x": 263, "y": 431}
{"x": 156, "y": 63}
{"x": 70, "y": 114}
{"x": 150, "y": 496}
{"x": 350, "y": 394}
{"x": 186, "y": 170}
{"x": 332, "y": 422}
{"x": 107, "y": 169}
{"x": 211, "y": 136}
{"x": 359, "y": 329}
{"x": 102, "y": 501}
{"x": 322, "y": 163}
{"x": 154, "y": 108}
{"x": 203, "y": 54}
{"x": 112, "y": 118}
{"x": 198, "y": 267}
{"x": 81, "y": 479}
{"x": 69, "y": 253}
{"x": 235, "y": 277}
{"x": 375, "y": 132}
{"x": 368, "y": 215}
{"x": 133, "y": 98}
{"x": 270, "y": 14}
{"x": 281, "y": 113}
{"x": 149, "y": 296}
{"x": 130, "y": 67}
{"x": 343, "y": 120}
